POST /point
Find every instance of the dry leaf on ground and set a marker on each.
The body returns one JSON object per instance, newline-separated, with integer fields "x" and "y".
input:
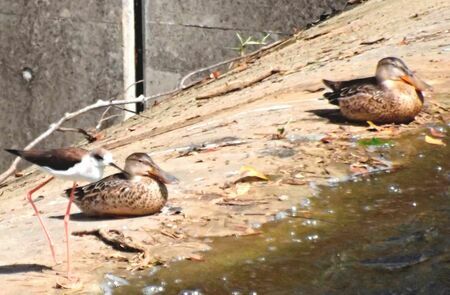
{"x": 432, "y": 140}
{"x": 373, "y": 126}
{"x": 436, "y": 133}
{"x": 247, "y": 171}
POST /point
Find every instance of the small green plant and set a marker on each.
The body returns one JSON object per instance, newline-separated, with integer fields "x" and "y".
{"x": 244, "y": 43}
{"x": 375, "y": 141}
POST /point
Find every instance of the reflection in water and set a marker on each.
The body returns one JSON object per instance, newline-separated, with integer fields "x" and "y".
{"x": 387, "y": 234}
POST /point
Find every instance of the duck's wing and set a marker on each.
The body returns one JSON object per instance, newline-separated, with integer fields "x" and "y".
{"x": 101, "y": 187}
{"x": 347, "y": 88}
{"x": 365, "y": 103}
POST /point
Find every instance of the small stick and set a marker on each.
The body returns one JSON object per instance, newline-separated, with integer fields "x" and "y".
{"x": 86, "y": 134}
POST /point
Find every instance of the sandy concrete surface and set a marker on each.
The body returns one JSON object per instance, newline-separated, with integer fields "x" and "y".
{"x": 204, "y": 138}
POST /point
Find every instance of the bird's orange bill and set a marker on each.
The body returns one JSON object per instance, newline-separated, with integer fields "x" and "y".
{"x": 415, "y": 82}
{"x": 117, "y": 167}
{"x": 161, "y": 175}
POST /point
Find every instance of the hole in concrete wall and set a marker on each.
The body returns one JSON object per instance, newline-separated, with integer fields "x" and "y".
{"x": 139, "y": 49}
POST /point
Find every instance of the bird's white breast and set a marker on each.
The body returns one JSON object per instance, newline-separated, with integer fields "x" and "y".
{"x": 86, "y": 170}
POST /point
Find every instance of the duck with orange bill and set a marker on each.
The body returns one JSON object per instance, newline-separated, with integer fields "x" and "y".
{"x": 393, "y": 95}
{"x": 139, "y": 190}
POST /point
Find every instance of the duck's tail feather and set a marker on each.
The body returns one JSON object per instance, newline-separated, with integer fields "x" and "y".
{"x": 78, "y": 193}
{"x": 333, "y": 85}
{"x": 333, "y": 96}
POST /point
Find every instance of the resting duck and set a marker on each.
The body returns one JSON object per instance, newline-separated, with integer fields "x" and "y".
{"x": 140, "y": 190}
{"x": 393, "y": 95}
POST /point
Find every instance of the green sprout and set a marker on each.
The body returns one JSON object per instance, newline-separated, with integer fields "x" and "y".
{"x": 244, "y": 43}
{"x": 374, "y": 141}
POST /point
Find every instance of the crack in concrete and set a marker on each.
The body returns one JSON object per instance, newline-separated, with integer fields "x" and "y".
{"x": 208, "y": 27}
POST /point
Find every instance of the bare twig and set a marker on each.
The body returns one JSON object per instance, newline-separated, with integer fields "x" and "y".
{"x": 113, "y": 103}
{"x": 132, "y": 84}
{"x": 67, "y": 116}
{"x": 86, "y": 134}
{"x": 115, "y": 238}
{"x": 233, "y": 86}
{"x": 182, "y": 85}
{"x": 130, "y": 111}
{"x": 99, "y": 125}
{"x": 102, "y": 118}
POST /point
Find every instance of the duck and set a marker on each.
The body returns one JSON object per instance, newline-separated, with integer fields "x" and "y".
{"x": 139, "y": 190}
{"x": 393, "y": 95}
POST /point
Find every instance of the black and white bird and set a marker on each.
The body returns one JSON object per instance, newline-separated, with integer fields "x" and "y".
{"x": 70, "y": 163}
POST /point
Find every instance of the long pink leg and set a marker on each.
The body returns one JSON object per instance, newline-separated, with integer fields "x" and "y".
{"x": 66, "y": 227}
{"x": 30, "y": 199}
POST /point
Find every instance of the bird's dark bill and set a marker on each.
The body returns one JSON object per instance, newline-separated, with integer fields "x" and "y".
{"x": 162, "y": 176}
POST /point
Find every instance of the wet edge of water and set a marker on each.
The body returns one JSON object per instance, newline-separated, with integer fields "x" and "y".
{"x": 397, "y": 225}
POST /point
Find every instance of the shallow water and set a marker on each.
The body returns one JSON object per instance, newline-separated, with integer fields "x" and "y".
{"x": 386, "y": 234}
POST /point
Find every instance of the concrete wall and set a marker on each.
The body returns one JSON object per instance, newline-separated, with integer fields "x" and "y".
{"x": 75, "y": 52}
{"x": 82, "y": 50}
{"x": 184, "y": 35}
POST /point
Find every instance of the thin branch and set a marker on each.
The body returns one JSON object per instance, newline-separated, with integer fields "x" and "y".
{"x": 182, "y": 85}
{"x": 233, "y": 86}
{"x": 102, "y": 118}
{"x": 109, "y": 118}
{"x": 131, "y": 85}
{"x": 86, "y": 134}
{"x": 112, "y": 103}
{"x": 131, "y": 111}
{"x": 67, "y": 116}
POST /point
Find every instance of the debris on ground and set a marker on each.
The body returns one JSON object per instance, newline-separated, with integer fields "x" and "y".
{"x": 240, "y": 144}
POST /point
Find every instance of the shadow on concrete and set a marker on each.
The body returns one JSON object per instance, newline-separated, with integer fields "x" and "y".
{"x": 85, "y": 218}
{"x": 167, "y": 210}
{"x": 334, "y": 116}
{"x": 18, "y": 268}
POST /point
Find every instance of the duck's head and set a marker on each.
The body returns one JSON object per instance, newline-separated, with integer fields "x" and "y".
{"x": 141, "y": 164}
{"x": 394, "y": 69}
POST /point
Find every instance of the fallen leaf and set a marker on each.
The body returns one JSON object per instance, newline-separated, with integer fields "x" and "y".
{"x": 373, "y": 126}
{"x": 214, "y": 75}
{"x": 404, "y": 41}
{"x": 326, "y": 139}
{"x": 248, "y": 171}
{"x": 436, "y": 133}
{"x": 432, "y": 140}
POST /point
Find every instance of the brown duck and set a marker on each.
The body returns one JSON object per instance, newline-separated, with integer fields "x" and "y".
{"x": 393, "y": 95}
{"x": 140, "y": 190}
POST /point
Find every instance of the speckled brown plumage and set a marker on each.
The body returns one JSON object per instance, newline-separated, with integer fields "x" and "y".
{"x": 394, "y": 95}
{"x": 140, "y": 191}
